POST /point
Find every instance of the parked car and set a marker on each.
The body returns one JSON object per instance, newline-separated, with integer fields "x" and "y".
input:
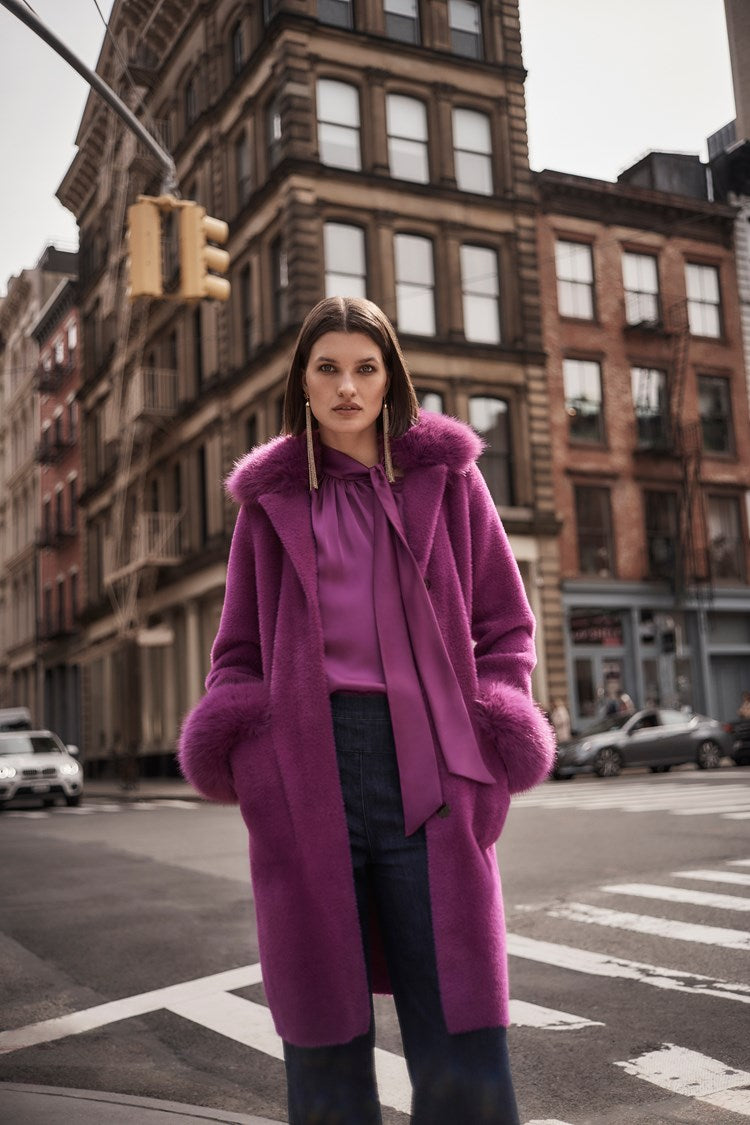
{"x": 656, "y": 738}
{"x": 35, "y": 763}
{"x": 15, "y": 718}
{"x": 739, "y": 733}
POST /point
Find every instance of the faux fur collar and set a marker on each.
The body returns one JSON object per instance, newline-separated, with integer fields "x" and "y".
{"x": 281, "y": 464}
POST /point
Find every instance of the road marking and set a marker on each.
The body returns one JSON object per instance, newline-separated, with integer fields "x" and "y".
{"x": 523, "y": 1014}
{"x": 657, "y": 927}
{"x": 693, "y": 1075}
{"x": 680, "y": 894}
{"x": 739, "y": 862}
{"x": 619, "y": 968}
{"x": 703, "y": 798}
{"x": 736, "y": 878}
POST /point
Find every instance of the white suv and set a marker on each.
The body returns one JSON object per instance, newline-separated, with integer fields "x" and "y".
{"x": 35, "y": 763}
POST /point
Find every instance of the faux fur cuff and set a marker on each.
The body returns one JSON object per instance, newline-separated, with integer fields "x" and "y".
{"x": 211, "y": 731}
{"x": 520, "y": 733}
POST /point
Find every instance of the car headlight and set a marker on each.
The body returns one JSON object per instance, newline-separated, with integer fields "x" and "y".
{"x": 6, "y": 772}
{"x": 70, "y": 768}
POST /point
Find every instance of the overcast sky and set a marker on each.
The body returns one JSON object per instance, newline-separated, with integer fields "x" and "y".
{"x": 608, "y": 80}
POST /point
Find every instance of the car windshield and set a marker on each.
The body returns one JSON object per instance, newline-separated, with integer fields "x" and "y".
{"x": 29, "y": 744}
{"x": 609, "y": 722}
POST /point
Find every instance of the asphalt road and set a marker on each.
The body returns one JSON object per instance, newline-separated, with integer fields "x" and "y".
{"x": 129, "y": 958}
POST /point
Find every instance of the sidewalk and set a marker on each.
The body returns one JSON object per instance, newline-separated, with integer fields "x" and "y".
{"x": 148, "y": 789}
{"x": 52, "y": 1105}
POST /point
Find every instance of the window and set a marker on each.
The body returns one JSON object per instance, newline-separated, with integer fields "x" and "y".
{"x": 661, "y": 517}
{"x": 273, "y": 125}
{"x": 60, "y": 605}
{"x": 402, "y": 20}
{"x": 242, "y": 168}
{"x": 472, "y": 151}
{"x": 336, "y": 12}
{"x": 338, "y": 124}
{"x": 72, "y": 338}
{"x": 73, "y": 503}
{"x": 714, "y": 405}
{"x": 46, "y": 520}
{"x": 489, "y": 417}
{"x": 704, "y": 303}
{"x": 726, "y": 547}
{"x": 344, "y": 255}
{"x": 251, "y": 432}
{"x": 407, "y": 138}
{"x": 246, "y": 312}
{"x": 198, "y": 346}
{"x": 431, "y": 401}
{"x": 583, "y": 399}
{"x": 641, "y": 280}
{"x": 73, "y": 594}
{"x": 238, "y": 48}
{"x": 575, "y": 280}
{"x": 480, "y": 290}
{"x": 202, "y": 497}
{"x": 594, "y": 525}
{"x": 415, "y": 284}
{"x": 465, "y": 19}
{"x": 191, "y": 102}
{"x": 47, "y": 609}
{"x": 651, "y": 407}
{"x": 59, "y": 511}
{"x": 280, "y": 275}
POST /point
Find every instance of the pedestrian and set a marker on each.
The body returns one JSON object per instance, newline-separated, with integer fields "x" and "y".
{"x": 369, "y": 706}
{"x": 744, "y": 708}
{"x": 560, "y": 719}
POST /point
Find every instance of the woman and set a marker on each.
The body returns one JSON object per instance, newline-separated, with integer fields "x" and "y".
{"x": 369, "y": 707}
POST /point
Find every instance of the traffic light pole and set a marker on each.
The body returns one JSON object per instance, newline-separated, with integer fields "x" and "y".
{"x": 169, "y": 172}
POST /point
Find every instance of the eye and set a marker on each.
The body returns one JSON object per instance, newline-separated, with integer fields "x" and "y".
{"x": 367, "y": 368}
{"x": 326, "y": 367}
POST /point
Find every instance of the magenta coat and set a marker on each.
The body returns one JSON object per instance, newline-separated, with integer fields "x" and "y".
{"x": 263, "y": 735}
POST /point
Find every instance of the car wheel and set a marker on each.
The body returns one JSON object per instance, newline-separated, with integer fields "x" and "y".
{"x": 562, "y": 776}
{"x": 608, "y": 762}
{"x": 71, "y": 802}
{"x": 709, "y": 755}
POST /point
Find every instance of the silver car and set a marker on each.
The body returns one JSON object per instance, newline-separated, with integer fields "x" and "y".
{"x": 655, "y": 738}
{"x": 35, "y": 763}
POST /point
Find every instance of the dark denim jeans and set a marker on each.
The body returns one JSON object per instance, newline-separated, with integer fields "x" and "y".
{"x": 455, "y": 1078}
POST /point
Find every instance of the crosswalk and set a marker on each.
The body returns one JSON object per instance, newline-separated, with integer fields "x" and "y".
{"x": 98, "y": 807}
{"x": 727, "y": 799}
{"x": 719, "y": 1091}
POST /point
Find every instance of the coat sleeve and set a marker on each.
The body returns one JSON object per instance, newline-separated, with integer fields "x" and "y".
{"x": 234, "y": 705}
{"x": 503, "y": 633}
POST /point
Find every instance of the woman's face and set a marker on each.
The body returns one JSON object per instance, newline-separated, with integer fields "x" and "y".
{"x": 346, "y": 381}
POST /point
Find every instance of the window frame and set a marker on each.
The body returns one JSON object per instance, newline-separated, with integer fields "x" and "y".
{"x": 422, "y": 142}
{"x": 572, "y": 412}
{"x": 458, "y": 149}
{"x": 454, "y": 32}
{"x": 669, "y": 533}
{"x": 501, "y": 484}
{"x": 348, "y": 5}
{"x": 412, "y": 286}
{"x": 701, "y": 303}
{"x": 590, "y": 285}
{"x": 639, "y": 293}
{"x": 652, "y": 427}
{"x": 467, "y": 294}
{"x": 415, "y": 22}
{"x": 323, "y": 123}
{"x": 328, "y": 273}
{"x": 731, "y": 502}
{"x": 705, "y": 421}
{"x": 599, "y": 529}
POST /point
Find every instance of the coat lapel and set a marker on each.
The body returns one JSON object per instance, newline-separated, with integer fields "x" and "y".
{"x": 423, "y": 496}
{"x": 289, "y": 512}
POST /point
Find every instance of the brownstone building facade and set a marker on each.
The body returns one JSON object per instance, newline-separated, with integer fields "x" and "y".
{"x": 650, "y": 434}
{"x": 356, "y": 148}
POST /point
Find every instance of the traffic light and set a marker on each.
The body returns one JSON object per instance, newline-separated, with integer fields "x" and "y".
{"x": 197, "y": 257}
{"x": 144, "y": 248}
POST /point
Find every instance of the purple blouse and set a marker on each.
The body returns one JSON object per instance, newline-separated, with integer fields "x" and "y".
{"x": 381, "y": 633}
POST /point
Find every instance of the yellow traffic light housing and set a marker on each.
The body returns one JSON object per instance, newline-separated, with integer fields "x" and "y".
{"x": 144, "y": 248}
{"x": 197, "y": 257}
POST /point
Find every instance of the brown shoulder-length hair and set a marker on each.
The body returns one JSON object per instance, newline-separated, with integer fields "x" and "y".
{"x": 351, "y": 314}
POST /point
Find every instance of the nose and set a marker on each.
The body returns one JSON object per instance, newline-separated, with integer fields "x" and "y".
{"x": 346, "y": 387}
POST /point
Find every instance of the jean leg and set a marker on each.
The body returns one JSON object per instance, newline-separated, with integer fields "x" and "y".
{"x": 464, "y": 1077}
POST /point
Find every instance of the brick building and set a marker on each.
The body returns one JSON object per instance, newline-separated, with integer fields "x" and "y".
{"x": 28, "y": 293}
{"x": 650, "y": 431}
{"x": 354, "y": 147}
{"x": 59, "y": 540}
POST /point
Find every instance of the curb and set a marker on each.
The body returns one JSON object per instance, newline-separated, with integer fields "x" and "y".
{"x": 32, "y": 1104}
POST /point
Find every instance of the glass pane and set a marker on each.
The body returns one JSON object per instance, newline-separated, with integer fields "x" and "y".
{"x": 344, "y": 285}
{"x": 402, "y": 8}
{"x": 481, "y": 319}
{"x": 344, "y": 248}
{"x": 702, "y": 283}
{"x": 585, "y": 687}
{"x": 471, "y": 131}
{"x": 414, "y": 259}
{"x": 704, "y": 319}
{"x": 639, "y": 273}
{"x": 479, "y": 271}
{"x": 640, "y": 307}
{"x": 573, "y": 261}
{"x": 338, "y": 102}
{"x": 408, "y": 160}
{"x": 403, "y": 28}
{"x": 336, "y": 12}
{"x": 430, "y": 401}
{"x": 339, "y": 146}
{"x": 575, "y": 299}
{"x": 416, "y": 309}
{"x": 473, "y": 172}
{"x": 464, "y": 16}
{"x": 407, "y": 117}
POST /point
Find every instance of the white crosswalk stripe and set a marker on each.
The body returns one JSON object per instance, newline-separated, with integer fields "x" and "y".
{"x": 656, "y": 927}
{"x": 730, "y": 800}
{"x": 679, "y": 894}
{"x": 96, "y": 807}
{"x": 735, "y": 878}
{"x": 695, "y": 1076}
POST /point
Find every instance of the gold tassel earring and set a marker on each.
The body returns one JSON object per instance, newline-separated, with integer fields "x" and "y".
{"x": 387, "y": 444}
{"x": 311, "y": 471}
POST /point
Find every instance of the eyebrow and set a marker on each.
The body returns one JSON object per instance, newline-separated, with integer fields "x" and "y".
{"x": 327, "y": 359}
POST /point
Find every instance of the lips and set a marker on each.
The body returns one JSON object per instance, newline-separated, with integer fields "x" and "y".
{"x": 347, "y": 409}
